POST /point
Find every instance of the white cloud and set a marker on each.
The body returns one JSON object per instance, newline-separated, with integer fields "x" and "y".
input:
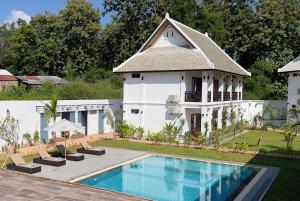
{"x": 17, "y": 14}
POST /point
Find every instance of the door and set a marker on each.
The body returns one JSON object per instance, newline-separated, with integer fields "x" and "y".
{"x": 44, "y": 134}
{"x": 100, "y": 122}
{"x": 196, "y": 123}
{"x": 197, "y": 88}
{"x": 216, "y": 85}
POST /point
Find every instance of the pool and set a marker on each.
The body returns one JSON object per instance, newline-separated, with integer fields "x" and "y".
{"x": 166, "y": 178}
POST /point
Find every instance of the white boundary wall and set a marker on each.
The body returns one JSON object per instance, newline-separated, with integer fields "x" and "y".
{"x": 30, "y": 120}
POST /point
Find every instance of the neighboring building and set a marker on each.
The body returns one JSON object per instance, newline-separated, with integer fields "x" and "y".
{"x": 37, "y": 81}
{"x": 88, "y": 113}
{"x": 7, "y": 80}
{"x": 180, "y": 72}
{"x": 292, "y": 69}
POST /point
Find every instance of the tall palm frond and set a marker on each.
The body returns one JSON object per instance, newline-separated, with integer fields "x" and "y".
{"x": 50, "y": 109}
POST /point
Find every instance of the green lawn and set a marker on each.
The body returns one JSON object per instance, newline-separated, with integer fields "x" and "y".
{"x": 284, "y": 188}
{"x": 271, "y": 141}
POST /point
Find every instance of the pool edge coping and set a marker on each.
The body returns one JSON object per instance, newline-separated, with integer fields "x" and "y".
{"x": 248, "y": 192}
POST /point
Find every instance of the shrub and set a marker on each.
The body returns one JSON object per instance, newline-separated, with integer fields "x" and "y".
{"x": 124, "y": 129}
{"x": 27, "y": 138}
{"x": 187, "y": 138}
{"x": 36, "y": 137}
{"x": 157, "y": 137}
{"x": 173, "y": 130}
{"x": 140, "y": 133}
{"x": 290, "y": 132}
{"x": 201, "y": 140}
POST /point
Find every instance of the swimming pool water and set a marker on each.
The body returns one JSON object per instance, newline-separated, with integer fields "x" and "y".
{"x": 174, "y": 179}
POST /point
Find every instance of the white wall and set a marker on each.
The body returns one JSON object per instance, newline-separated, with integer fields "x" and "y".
{"x": 168, "y": 40}
{"x": 293, "y": 86}
{"x": 29, "y": 118}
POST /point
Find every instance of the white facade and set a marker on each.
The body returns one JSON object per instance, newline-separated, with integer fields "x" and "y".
{"x": 158, "y": 90}
{"x": 31, "y": 118}
{"x": 293, "y": 90}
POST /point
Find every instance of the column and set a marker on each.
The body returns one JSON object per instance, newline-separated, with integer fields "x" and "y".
{"x": 221, "y": 87}
{"x": 229, "y": 89}
{"x": 206, "y": 121}
{"x": 220, "y": 111}
{"x": 204, "y": 86}
{"x": 210, "y": 85}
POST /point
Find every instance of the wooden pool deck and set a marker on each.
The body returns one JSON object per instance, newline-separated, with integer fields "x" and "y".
{"x": 20, "y": 187}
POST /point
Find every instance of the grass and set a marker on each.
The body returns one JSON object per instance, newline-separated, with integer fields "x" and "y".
{"x": 271, "y": 141}
{"x": 284, "y": 188}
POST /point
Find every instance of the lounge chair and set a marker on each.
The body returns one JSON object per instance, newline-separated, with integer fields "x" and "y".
{"x": 87, "y": 149}
{"x": 20, "y": 165}
{"x": 46, "y": 159}
{"x": 72, "y": 157}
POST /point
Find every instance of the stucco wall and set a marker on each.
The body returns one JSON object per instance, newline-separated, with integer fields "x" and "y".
{"x": 29, "y": 118}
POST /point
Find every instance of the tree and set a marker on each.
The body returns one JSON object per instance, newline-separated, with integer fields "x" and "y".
{"x": 110, "y": 120}
{"x": 50, "y": 109}
{"x": 9, "y": 133}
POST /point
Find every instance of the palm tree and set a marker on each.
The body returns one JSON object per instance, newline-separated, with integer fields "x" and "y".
{"x": 50, "y": 109}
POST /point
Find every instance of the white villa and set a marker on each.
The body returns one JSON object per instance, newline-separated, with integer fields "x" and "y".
{"x": 292, "y": 69}
{"x": 180, "y": 72}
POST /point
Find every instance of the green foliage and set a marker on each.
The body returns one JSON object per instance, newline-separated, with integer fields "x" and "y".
{"x": 260, "y": 35}
{"x": 126, "y": 130}
{"x": 157, "y": 137}
{"x": 140, "y": 133}
{"x": 9, "y": 132}
{"x": 242, "y": 146}
{"x": 173, "y": 130}
{"x": 36, "y": 137}
{"x": 27, "y": 138}
{"x": 187, "y": 138}
{"x": 50, "y": 109}
{"x": 289, "y": 135}
{"x": 78, "y": 89}
{"x": 200, "y": 140}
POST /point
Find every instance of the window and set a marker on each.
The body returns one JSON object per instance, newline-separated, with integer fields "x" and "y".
{"x": 293, "y": 106}
{"x": 298, "y": 90}
{"x": 135, "y": 111}
{"x": 298, "y": 102}
{"x": 135, "y": 75}
{"x": 295, "y": 74}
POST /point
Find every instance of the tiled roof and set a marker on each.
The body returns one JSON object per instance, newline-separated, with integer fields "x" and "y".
{"x": 7, "y": 78}
{"x": 291, "y": 67}
{"x": 215, "y": 54}
{"x": 206, "y": 55}
{"x": 165, "y": 59}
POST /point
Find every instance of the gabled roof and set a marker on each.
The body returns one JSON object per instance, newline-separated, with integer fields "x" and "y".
{"x": 291, "y": 67}
{"x": 202, "y": 54}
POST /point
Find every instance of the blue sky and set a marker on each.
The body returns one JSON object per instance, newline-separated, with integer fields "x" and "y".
{"x": 10, "y": 9}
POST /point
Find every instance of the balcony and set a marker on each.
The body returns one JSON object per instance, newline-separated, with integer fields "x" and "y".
{"x": 226, "y": 96}
{"x": 216, "y": 96}
{"x": 191, "y": 96}
{"x": 234, "y": 95}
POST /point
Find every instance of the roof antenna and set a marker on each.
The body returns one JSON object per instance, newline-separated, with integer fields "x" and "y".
{"x": 206, "y": 34}
{"x": 167, "y": 15}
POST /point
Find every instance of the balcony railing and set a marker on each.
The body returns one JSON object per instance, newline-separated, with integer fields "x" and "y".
{"x": 191, "y": 96}
{"x": 217, "y": 96}
{"x": 226, "y": 96}
{"x": 209, "y": 96}
{"x": 234, "y": 95}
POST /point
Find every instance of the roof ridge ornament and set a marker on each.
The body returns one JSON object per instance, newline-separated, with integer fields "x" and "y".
{"x": 167, "y": 15}
{"x": 206, "y": 34}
